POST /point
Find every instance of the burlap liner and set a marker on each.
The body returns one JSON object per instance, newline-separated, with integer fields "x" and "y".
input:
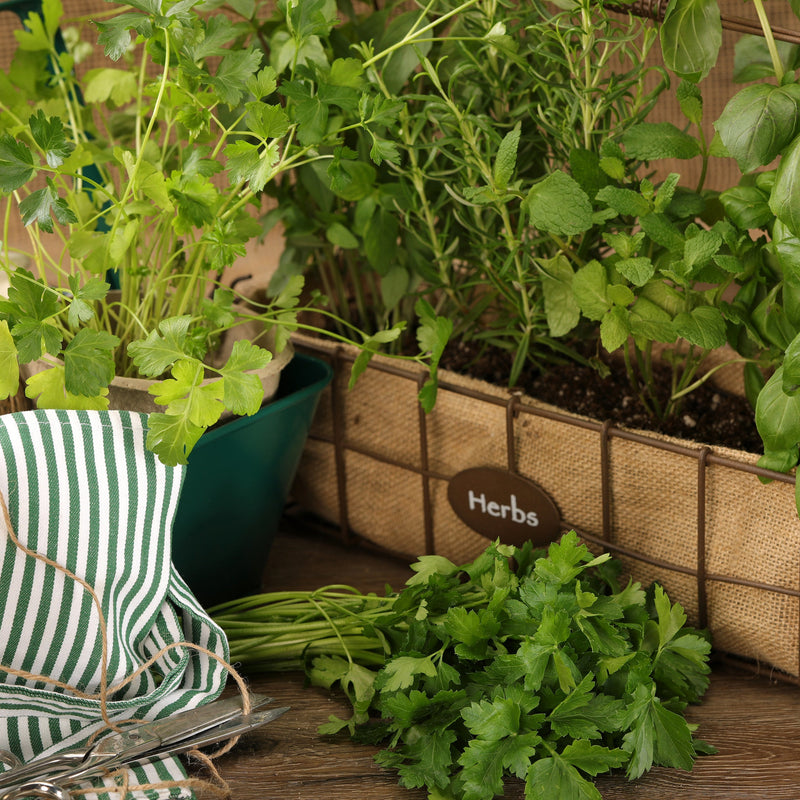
{"x": 752, "y": 531}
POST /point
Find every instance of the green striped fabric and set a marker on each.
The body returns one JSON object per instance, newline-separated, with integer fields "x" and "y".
{"x": 83, "y": 490}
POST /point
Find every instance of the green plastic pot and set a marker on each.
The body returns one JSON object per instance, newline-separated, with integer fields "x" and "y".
{"x": 236, "y": 486}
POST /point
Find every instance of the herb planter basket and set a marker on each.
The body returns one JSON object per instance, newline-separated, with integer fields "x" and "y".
{"x": 696, "y": 519}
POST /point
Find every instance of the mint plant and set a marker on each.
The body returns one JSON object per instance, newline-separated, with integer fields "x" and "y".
{"x": 672, "y": 257}
{"x": 147, "y": 172}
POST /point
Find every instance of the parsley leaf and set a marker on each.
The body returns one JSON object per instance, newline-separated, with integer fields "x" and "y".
{"x": 538, "y": 665}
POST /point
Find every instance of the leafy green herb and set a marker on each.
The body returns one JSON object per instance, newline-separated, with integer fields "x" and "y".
{"x": 528, "y": 664}
{"x": 486, "y": 99}
{"x": 150, "y": 170}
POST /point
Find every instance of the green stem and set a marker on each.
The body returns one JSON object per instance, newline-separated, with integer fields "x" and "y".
{"x": 414, "y": 36}
{"x": 766, "y": 29}
{"x": 141, "y": 140}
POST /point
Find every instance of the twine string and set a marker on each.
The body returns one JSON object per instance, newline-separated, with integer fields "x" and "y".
{"x": 216, "y": 785}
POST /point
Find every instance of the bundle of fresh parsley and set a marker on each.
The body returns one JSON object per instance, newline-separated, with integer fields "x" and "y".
{"x": 522, "y": 663}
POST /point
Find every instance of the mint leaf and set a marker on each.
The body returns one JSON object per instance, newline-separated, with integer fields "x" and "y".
{"x": 560, "y": 304}
{"x": 615, "y": 328}
{"x": 650, "y": 141}
{"x": 590, "y": 287}
{"x": 690, "y": 101}
{"x": 624, "y": 201}
{"x": 703, "y": 326}
{"x": 506, "y": 159}
{"x": 638, "y": 270}
{"x": 559, "y": 205}
{"x": 700, "y": 248}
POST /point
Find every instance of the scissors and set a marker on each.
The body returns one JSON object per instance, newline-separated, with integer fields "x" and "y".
{"x": 47, "y": 776}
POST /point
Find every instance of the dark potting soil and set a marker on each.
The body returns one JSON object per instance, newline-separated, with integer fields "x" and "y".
{"x": 708, "y": 415}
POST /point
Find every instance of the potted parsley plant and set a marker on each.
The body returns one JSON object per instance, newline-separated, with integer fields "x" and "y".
{"x": 138, "y": 169}
{"x": 137, "y": 176}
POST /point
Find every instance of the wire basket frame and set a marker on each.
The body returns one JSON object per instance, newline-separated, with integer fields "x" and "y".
{"x": 515, "y": 411}
{"x": 655, "y": 10}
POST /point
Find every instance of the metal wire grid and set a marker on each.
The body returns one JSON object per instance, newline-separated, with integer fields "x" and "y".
{"x": 341, "y": 359}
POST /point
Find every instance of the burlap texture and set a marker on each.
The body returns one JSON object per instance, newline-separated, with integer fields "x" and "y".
{"x": 752, "y": 532}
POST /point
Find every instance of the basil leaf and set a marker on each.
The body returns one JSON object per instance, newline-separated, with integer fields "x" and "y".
{"x": 758, "y": 122}
{"x": 691, "y": 36}
{"x": 784, "y": 200}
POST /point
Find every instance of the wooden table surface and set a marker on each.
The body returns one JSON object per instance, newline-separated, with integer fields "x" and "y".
{"x": 752, "y": 721}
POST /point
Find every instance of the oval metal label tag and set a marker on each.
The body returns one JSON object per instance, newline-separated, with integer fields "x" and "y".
{"x": 501, "y": 505}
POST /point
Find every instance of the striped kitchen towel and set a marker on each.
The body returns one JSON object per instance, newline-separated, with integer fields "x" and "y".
{"x": 83, "y": 617}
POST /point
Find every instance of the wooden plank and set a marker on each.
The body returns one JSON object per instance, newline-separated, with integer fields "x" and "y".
{"x": 752, "y": 721}
{"x": 754, "y": 724}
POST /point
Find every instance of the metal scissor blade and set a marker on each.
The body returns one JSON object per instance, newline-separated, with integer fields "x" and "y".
{"x": 160, "y": 734}
{"x": 189, "y": 731}
{"x": 235, "y": 727}
{"x": 134, "y": 743}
